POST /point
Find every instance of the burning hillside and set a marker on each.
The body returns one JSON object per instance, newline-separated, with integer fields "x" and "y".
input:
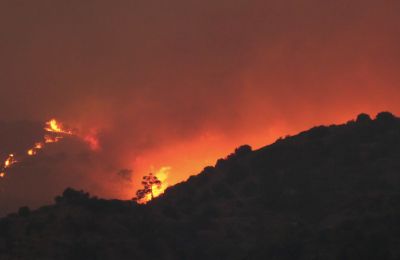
{"x": 55, "y": 131}
{"x": 326, "y": 193}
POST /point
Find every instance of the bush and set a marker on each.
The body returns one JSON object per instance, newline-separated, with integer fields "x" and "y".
{"x": 73, "y": 196}
{"x": 24, "y": 212}
{"x": 385, "y": 117}
{"x": 243, "y": 150}
{"x": 363, "y": 118}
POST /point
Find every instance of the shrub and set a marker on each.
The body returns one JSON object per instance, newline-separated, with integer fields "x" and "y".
{"x": 385, "y": 117}
{"x": 24, "y": 212}
{"x": 243, "y": 150}
{"x": 73, "y": 196}
{"x": 363, "y": 118}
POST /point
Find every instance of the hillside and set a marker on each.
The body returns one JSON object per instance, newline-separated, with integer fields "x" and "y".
{"x": 326, "y": 193}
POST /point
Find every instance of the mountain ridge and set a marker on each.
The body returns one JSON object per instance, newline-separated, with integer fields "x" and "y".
{"x": 330, "y": 192}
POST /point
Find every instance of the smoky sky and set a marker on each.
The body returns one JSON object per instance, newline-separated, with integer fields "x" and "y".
{"x": 149, "y": 74}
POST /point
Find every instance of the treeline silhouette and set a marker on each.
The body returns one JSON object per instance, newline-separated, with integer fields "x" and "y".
{"x": 326, "y": 193}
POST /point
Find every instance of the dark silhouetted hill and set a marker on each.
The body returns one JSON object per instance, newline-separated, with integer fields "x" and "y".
{"x": 327, "y": 193}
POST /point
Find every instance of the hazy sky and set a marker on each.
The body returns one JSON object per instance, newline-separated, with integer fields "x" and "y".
{"x": 180, "y": 83}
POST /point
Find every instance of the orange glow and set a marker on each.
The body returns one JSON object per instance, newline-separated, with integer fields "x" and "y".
{"x": 263, "y": 70}
{"x": 33, "y": 151}
{"x": 56, "y": 133}
{"x": 189, "y": 157}
{"x": 56, "y": 127}
{"x": 162, "y": 175}
{"x": 92, "y": 141}
{"x": 10, "y": 161}
{"x": 51, "y": 139}
{"x": 7, "y": 164}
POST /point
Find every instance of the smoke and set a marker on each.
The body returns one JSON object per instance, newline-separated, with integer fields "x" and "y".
{"x": 181, "y": 83}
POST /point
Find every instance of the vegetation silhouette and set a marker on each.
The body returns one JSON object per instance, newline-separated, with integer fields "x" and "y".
{"x": 149, "y": 182}
{"x": 327, "y": 193}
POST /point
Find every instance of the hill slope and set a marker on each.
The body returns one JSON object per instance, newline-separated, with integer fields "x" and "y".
{"x": 327, "y": 193}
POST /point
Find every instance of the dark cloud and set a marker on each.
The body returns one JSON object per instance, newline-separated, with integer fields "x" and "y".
{"x": 149, "y": 75}
{"x": 125, "y": 174}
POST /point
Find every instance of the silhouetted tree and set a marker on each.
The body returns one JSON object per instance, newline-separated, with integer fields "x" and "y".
{"x": 363, "y": 118}
{"x": 385, "y": 117}
{"x": 243, "y": 150}
{"x": 149, "y": 182}
{"x": 73, "y": 196}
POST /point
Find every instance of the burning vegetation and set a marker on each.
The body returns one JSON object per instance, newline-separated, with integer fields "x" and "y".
{"x": 55, "y": 131}
{"x": 153, "y": 185}
{"x": 283, "y": 201}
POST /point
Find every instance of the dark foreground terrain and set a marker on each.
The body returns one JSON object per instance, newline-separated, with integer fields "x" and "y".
{"x": 327, "y": 193}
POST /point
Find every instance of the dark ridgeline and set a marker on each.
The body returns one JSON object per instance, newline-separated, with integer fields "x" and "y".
{"x": 327, "y": 193}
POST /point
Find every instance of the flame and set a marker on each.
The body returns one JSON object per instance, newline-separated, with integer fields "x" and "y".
{"x": 162, "y": 175}
{"x": 33, "y": 151}
{"x": 56, "y": 127}
{"x": 7, "y": 164}
{"x": 55, "y": 132}
{"x": 48, "y": 139}
{"x": 9, "y": 161}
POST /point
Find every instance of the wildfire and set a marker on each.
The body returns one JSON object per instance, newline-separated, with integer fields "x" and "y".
{"x": 55, "y": 131}
{"x": 48, "y": 139}
{"x": 33, "y": 151}
{"x": 7, "y": 164}
{"x": 162, "y": 175}
{"x": 9, "y": 161}
{"x": 56, "y": 127}
{"x": 52, "y": 127}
